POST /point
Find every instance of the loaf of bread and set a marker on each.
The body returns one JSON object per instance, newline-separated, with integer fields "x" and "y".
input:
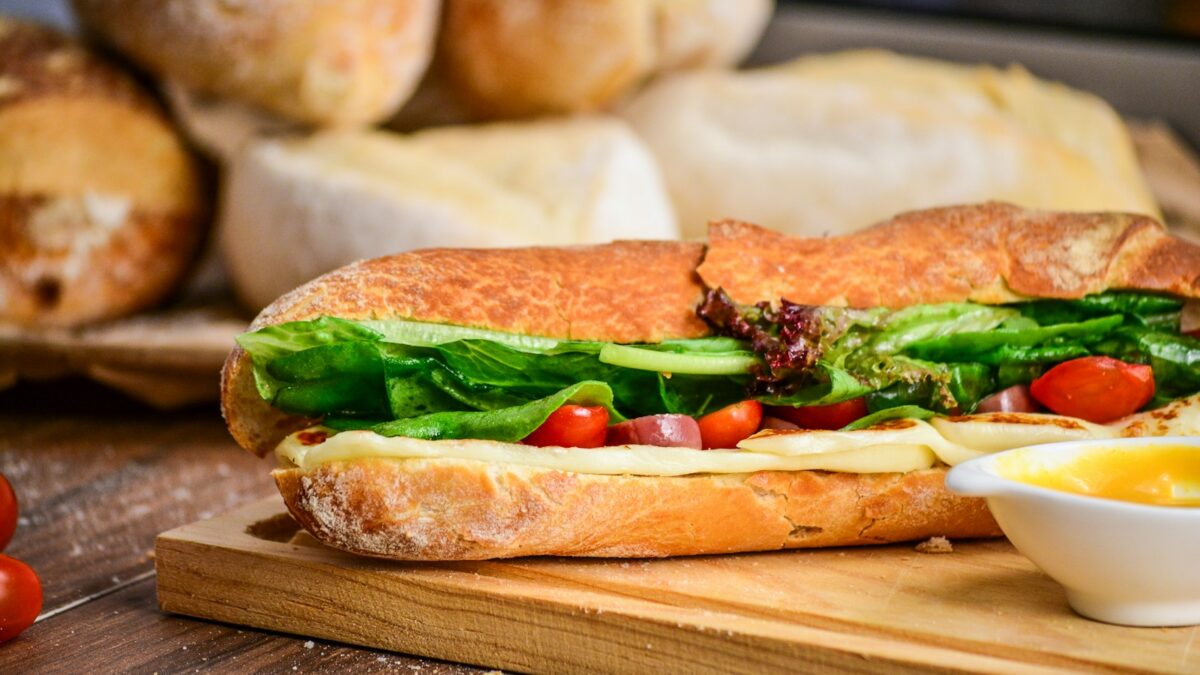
{"x": 100, "y": 203}
{"x": 294, "y": 209}
{"x": 829, "y": 144}
{"x": 510, "y": 58}
{"x": 318, "y": 61}
{"x": 471, "y": 498}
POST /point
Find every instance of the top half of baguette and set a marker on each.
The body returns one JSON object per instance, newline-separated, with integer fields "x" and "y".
{"x": 647, "y": 291}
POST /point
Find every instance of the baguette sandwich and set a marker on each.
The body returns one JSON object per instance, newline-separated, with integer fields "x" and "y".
{"x": 759, "y": 392}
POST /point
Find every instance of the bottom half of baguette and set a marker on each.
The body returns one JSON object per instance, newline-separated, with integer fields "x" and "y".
{"x": 456, "y": 509}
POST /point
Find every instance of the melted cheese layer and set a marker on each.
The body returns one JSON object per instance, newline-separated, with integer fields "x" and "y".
{"x": 894, "y": 446}
{"x": 638, "y": 460}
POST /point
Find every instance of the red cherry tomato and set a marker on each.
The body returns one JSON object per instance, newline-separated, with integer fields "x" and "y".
{"x": 730, "y": 425}
{"x": 572, "y": 426}
{"x": 832, "y": 416}
{"x": 8, "y": 512}
{"x": 1095, "y": 388}
{"x": 20, "y": 597}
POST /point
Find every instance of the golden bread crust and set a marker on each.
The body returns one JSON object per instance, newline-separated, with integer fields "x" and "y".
{"x": 628, "y": 291}
{"x": 990, "y": 253}
{"x": 466, "y": 510}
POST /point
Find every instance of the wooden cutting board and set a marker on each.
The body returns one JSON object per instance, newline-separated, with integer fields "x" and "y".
{"x": 982, "y": 608}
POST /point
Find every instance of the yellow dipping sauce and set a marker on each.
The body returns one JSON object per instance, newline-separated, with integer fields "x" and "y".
{"x": 1163, "y": 475}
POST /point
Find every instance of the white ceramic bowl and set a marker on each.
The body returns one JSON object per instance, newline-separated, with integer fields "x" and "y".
{"x": 1121, "y": 562}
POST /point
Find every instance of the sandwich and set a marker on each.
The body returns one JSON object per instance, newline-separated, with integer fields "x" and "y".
{"x": 757, "y": 392}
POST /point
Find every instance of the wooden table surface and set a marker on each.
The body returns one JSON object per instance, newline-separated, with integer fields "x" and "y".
{"x": 97, "y": 477}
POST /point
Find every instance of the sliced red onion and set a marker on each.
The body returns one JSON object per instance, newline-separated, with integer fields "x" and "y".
{"x": 769, "y": 422}
{"x": 1014, "y": 399}
{"x": 668, "y": 431}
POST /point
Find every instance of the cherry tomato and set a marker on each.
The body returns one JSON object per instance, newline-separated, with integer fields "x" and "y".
{"x": 20, "y": 597}
{"x": 730, "y": 425}
{"x": 1094, "y": 388}
{"x": 832, "y": 416}
{"x": 572, "y": 426}
{"x": 8, "y": 512}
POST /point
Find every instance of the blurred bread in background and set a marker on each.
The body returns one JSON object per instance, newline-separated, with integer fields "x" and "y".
{"x": 517, "y": 58}
{"x": 100, "y": 203}
{"x": 831, "y": 143}
{"x": 295, "y": 208}
{"x": 323, "y": 62}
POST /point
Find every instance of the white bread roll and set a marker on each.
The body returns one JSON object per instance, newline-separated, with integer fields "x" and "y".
{"x": 833, "y": 143}
{"x": 324, "y": 62}
{"x": 294, "y": 209}
{"x": 509, "y": 58}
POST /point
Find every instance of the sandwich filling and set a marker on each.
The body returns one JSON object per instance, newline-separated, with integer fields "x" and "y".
{"x": 899, "y": 445}
{"x": 399, "y": 388}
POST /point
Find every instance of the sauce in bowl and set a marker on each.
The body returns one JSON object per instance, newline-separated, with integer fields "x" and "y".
{"x": 1160, "y": 475}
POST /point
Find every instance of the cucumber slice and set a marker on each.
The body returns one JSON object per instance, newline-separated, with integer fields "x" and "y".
{"x": 422, "y": 334}
{"x": 731, "y": 363}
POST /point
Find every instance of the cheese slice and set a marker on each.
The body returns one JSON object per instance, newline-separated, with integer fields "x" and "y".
{"x": 640, "y": 460}
{"x": 893, "y": 446}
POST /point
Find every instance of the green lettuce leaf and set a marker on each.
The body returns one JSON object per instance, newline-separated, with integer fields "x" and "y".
{"x": 978, "y": 346}
{"x": 271, "y": 342}
{"x": 1146, "y": 309}
{"x": 509, "y": 424}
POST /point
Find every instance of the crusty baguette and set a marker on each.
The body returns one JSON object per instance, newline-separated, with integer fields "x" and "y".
{"x": 100, "y": 201}
{"x": 467, "y": 510}
{"x": 989, "y": 253}
{"x": 318, "y": 61}
{"x": 437, "y": 509}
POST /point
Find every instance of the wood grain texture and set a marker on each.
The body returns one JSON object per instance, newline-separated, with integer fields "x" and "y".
{"x": 98, "y": 477}
{"x": 123, "y": 632}
{"x": 983, "y": 608}
{"x": 95, "y": 489}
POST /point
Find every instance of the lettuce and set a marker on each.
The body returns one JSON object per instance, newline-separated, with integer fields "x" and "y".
{"x": 509, "y": 424}
{"x": 440, "y": 381}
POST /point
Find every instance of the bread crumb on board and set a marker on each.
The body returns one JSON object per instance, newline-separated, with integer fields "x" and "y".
{"x": 935, "y": 545}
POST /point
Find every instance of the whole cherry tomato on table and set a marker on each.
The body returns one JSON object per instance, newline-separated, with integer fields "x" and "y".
{"x": 572, "y": 426}
{"x": 832, "y": 416}
{"x": 8, "y": 512}
{"x": 20, "y": 597}
{"x": 730, "y": 425}
{"x": 1095, "y": 388}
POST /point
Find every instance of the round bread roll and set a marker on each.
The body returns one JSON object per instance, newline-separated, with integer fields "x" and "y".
{"x": 324, "y": 62}
{"x": 100, "y": 209}
{"x": 294, "y": 209}
{"x": 512, "y": 58}
{"x": 830, "y": 144}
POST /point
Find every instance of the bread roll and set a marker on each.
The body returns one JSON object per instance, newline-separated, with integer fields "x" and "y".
{"x": 323, "y": 62}
{"x": 447, "y": 502}
{"x": 294, "y": 209}
{"x": 526, "y": 57}
{"x": 829, "y": 144}
{"x": 100, "y": 205}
